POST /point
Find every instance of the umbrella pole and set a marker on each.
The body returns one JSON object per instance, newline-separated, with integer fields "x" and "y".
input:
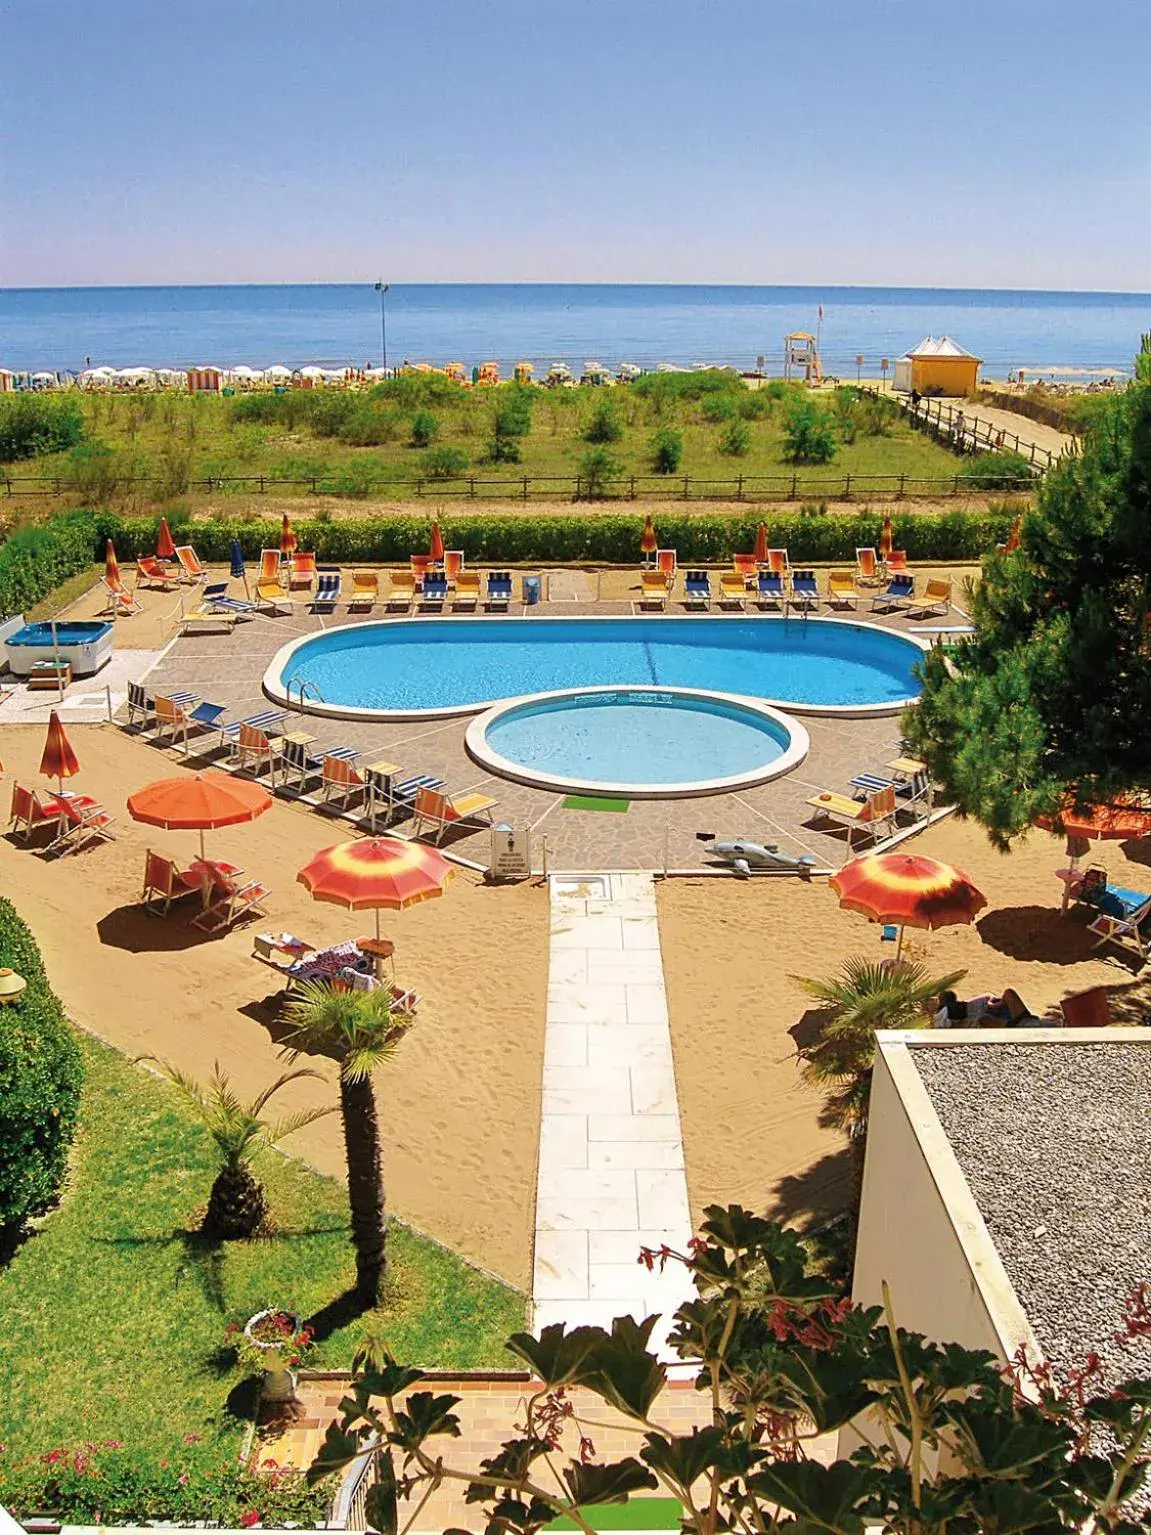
{"x": 201, "y": 844}
{"x": 899, "y": 944}
{"x": 377, "y": 921}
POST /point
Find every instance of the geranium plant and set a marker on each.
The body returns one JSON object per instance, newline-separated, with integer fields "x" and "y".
{"x": 271, "y": 1338}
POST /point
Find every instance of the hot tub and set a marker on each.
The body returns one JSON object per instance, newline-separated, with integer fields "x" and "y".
{"x": 87, "y": 647}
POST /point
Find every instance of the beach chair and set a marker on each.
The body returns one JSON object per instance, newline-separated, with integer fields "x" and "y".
{"x": 302, "y": 761}
{"x": 29, "y": 813}
{"x": 896, "y": 561}
{"x": 805, "y": 589}
{"x": 404, "y": 1003}
{"x": 140, "y": 706}
{"x": 270, "y": 594}
{"x": 208, "y": 620}
{"x": 81, "y": 820}
{"x": 177, "y": 720}
{"x": 153, "y": 572}
{"x": 270, "y": 566}
{"x": 120, "y": 603}
{"x": 697, "y": 589}
{"x": 665, "y": 564}
{"x": 935, "y": 601}
{"x": 164, "y": 883}
{"x": 253, "y": 749}
{"x": 747, "y": 566}
{"x": 215, "y": 595}
{"x": 328, "y": 587}
{"x": 770, "y": 590}
{"x": 191, "y": 570}
{"x": 1127, "y": 922}
{"x": 499, "y": 592}
{"x": 341, "y": 782}
{"x": 433, "y": 591}
{"x": 653, "y": 589}
{"x": 435, "y": 809}
{"x": 868, "y": 813}
{"x": 899, "y": 592}
{"x": 913, "y": 787}
{"x": 467, "y": 592}
{"x": 391, "y": 796}
{"x": 453, "y": 564}
{"x": 842, "y": 591}
{"x": 778, "y": 562}
{"x": 301, "y": 572}
{"x": 365, "y": 590}
{"x": 402, "y": 590}
{"x": 234, "y": 898}
{"x": 419, "y": 566}
{"x": 732, "y": 590}
{"x": 867, "y": 567}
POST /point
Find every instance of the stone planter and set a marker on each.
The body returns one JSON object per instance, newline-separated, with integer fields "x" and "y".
{"x": 279, "y": 1385}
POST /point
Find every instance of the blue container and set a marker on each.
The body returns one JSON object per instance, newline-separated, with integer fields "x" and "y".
{"x": 531, "y": 590}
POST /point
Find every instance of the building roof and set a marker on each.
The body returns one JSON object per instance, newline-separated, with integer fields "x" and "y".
{"x": 941, "y": 346}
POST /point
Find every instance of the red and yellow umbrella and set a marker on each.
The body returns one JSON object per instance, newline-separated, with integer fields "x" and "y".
{"x": 165, "y": 543}
{"x": 111, "y": 566}
{"x": 907, "y": 890}
{"x": 199, "y": 802}
{"x": 59, "y": 760}
{"x": 648, "y": 542}
{"x": 886, "y": 538}
{"x": 761, "y": 544}
{"x": 287, "y": 537}
{"x": 376, "y": 873}
{"x": 436, "y": 546}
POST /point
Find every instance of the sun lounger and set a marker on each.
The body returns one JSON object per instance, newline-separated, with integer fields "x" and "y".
{"x": 653, "y": 589}
{"x": 177, "y": 720}
{"x": 453, "y": 565}
{"x": 302, "y": 572}
{"x": 153, "y": 572}
{"x": 215, "y": 595}
{"x": 121, "y": 603}
{"x": 365, "y": 589}
{"x": 164, "y": 883}
{"x": 745, "y": 565}
{"x": 437, "y": 810}
{"x": 899, "y": 592}
{"x": 896, "y": 561}
{"x": 732, "y": 590}
{"x": 141, "y": 704}
{"x": 270, "y": 594}
{"x": 271, "y": 562}
{"x": 770, "y": 590}
{"x": 235, "y": 898}
{"x": 467, "y": 592}
{"x": 402, "y": 589}
{"x": 328, "y": 587}
{"x": 404, "y": 1003}
{"x": 340, "y": 779}
{"x": 935, "y": 601}
{"x": 696, "y": 589}
{"x": 499, "y": 588}
{"x": 191, "y": 569}
{"x": 208, "y": 620}
{"x": 302, "y": 761}
{"x": 434, "y": 591}
{"x": 804, "y": 589}
{"x": 778, "y": 562}
{"x": 912, "y": 788}
{"x": 1125, "y": 919}
{"x": 867, "y": 567}
{"x": 869, "y": 813}
{"x": 29, "y": 813}
{"x": 419, "y": 565}
{"x": 389, "y": 795}
{"x": 841, "y": 589}
{"x": 665, "y": 563}
{"x": 81, "y": 820}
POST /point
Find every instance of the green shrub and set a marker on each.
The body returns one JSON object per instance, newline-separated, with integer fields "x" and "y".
{"x": 660, "y": 387}
{"x": 35, "y": 560}
{"x": 444, "y": 463}
{"x": 755, "y": 404}
{"x": 666, "y": 450}
{"x": 597, "y": 469}
{"x": 95, "y": 471}
{"x": 513, "y": 412}
{"x": 995, "y": 471}
{"x": 808, "y": 433}
{"x": 605, "y": 424}
{"x": 39, "y": 1082}
{"x": 502, "y": 449}
{"x": 735, "y": 439}
{"x": 370, "y": 427}
{"x": 717, "y": 407}
{"x": 357, "y": 479}
{"x": 413, "y": 391}
{"x": 38, "y": 423}
{"x": 425, "y": 429}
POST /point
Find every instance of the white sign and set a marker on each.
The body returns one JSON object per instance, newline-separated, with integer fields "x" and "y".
{"x": 511, "y": 854}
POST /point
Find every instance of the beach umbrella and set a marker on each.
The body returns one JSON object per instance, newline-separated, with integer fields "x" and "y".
{"x": 111, "y": 565}
{"x": 648, "y": 543}
{"x": 1122, "y": 820}
{"x": 906, "y": 890}
{"x": 376, "y": 873}
{"x": 59, "y": 760}
{"x": 165, "y": 543}
{"x": 199, "y": 802}
{"x": 238, "y": 571}
{"x": 287, "y": 537}
{"x": 436, "y": 546}
{"x": 761, "y": 544}
{"x": 886, "y": 538}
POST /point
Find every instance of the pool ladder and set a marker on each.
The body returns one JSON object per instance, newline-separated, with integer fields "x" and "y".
{"x": 307, "y": 687}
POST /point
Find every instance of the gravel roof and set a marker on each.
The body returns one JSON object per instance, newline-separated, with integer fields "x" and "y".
{"x": 1055, "y": 1143}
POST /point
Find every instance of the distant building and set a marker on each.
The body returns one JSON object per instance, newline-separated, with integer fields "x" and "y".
{"x": 937, "y": 365}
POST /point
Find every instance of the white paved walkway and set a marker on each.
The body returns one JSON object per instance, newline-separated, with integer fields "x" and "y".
{"x": 611, "y": 1175}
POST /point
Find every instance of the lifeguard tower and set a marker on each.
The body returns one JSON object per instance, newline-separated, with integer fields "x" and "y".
{"x": 801, "y": 358}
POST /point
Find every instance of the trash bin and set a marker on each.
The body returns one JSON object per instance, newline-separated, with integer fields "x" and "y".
{"x": 531, "y": 591}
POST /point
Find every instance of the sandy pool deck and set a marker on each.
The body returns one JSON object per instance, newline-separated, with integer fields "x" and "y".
{"x": 460, "y": 1103}
{"x": 730, "y": 950}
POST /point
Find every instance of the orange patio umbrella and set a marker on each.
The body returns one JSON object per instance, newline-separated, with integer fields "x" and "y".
{"x": 1123, "y": 819}
{"x": 59, "y": 760}
{"x": 761, "y": 544}
{"x": 648, "y": 543}
{"x": 886, "y": 538}
{"x": 287, "y": 537}
{"x": 111, "y": 566}
{"x": 376, "y": 873}
{"x": 436, "y": 546}
{"x": 907, "y": 890}
{"x": 165, "y": 543}
{"x": 199, "y": 802}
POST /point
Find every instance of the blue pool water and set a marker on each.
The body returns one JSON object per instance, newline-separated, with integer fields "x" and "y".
{"x": 457, "y": 663}
{"x": 629, "y": 737}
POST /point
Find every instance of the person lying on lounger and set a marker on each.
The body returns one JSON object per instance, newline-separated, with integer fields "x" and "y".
{"x": 1006, "y": 1012}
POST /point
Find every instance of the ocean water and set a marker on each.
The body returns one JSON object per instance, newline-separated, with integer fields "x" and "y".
{"x": 334, "y": 325}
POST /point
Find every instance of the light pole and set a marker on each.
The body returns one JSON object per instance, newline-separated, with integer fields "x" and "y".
{"x": 381, "y": 289}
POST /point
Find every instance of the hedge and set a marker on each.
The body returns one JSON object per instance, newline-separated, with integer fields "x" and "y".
{"x": 36, "y": 560}
{"x": 40, "y": 1076}
{"x": 609, "y": 538}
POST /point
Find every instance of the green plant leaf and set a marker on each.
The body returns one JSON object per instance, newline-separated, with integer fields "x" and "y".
{"x": 380, "y": 1502}
{"x": 821, "y": 1497}
{"x": 614, "y": 1483}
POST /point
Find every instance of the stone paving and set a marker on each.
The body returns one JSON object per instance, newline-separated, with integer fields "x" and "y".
{"x": 228, "y": 669}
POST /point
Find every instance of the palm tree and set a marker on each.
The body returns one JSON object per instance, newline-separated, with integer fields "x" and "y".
{"x": 237, "y": 1205}
{"x": 360, "y": 1032}
{"x": 865, "y": 996}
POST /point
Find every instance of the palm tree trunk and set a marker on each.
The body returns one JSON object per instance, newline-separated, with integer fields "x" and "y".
{"x": 365, "y": 1187}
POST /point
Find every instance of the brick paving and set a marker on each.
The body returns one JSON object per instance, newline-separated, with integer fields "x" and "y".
{"x": 228, "y": 669}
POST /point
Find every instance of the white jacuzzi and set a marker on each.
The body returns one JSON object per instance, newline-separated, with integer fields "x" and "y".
{"x": 87, "y": 647}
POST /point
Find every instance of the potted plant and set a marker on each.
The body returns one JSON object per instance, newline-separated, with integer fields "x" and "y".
{"x": 275, "y": 1342}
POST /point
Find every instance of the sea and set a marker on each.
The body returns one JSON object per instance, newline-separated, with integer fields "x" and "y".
{"x": 1073, "y": 336}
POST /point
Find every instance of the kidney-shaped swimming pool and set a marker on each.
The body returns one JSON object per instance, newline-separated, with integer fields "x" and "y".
{"x": 431, "y": 666}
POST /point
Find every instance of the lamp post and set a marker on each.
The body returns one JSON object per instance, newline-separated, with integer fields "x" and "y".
{"x": 381, "y": 289}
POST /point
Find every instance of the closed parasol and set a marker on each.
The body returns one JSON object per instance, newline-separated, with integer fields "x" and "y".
{"x": 376, "y": 873}
{"x": 648, "y": 543}
{"x": 436, "y": 544}
{"x": 886, "y": 538}
{"x": 906, "y": 890}
{"x": 59, "y": 760}
{"x": 111, "y": 566}
{"x": 1014, "y": 538}
{"x": 165, "y": 543}
{"x": 199, "y": 802}
{"x": 761, "y": 544}
{"x": 287, "y": 537}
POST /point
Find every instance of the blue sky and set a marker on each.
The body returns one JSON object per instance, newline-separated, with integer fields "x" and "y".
{"x": 996, "y": 143}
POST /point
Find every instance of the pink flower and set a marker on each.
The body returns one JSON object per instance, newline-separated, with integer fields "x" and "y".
{"x": 192, "y": 1438}
{"x": 183, "y": 1479}
{"x": 250, "y": 1517}
{"x": 113, "y": 1444}
{"x": 273, "y": 1463}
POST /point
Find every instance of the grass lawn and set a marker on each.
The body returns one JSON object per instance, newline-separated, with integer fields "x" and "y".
{"x": 114, "y": 1312}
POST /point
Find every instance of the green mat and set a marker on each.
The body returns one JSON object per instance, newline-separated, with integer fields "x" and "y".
{"x": 590, "y": 802}
{"x": 638, "y": 1514}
